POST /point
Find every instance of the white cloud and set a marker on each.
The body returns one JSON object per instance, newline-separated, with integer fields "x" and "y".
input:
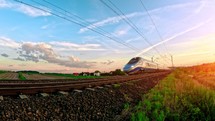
{"x": 176, "y": 35}
{"x": 108, "y": 21}
{"x": 133, "y": 39}
{"x": 45, "y": 26}
{"x": 66, "y": 46}
{"x": 116, "y": 19}
{"x": 108, "y": 62}
{"x": 202, "y": 5}
{"x": 42, "y": 51}
{"x": 4, "y": 55}
{"x": 4, "y": 4}
{"x": 6, "y": 42}
{"x": 122, "y": 31}
{"x": 30, "y": 11}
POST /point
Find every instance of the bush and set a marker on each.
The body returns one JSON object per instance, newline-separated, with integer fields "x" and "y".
{"x": 21, "y": 77}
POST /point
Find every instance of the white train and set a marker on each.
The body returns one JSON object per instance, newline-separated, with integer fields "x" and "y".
{"x": 138, "y": 64}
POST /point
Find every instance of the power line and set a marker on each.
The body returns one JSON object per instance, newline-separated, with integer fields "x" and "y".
{"x": 153, "y": 24}
{"x": 86, "y": 22}
{"x": 129, "y": 22}
{"x": 80, "y": 19}
{"x": 62, "y": 17}
{"x": 75, "y": 23}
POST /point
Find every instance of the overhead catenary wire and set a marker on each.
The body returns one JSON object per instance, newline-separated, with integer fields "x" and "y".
{"x": 150, "y": 17}
{"x": 83, "y": 21}
{"x": 130, "y": 23}
{"x": 80, "y": 24}
{"x": 74, "y": 22}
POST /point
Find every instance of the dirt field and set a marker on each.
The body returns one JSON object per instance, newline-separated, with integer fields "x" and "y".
{"x": 9, "y": 76}
{"x": 40, "y": 76}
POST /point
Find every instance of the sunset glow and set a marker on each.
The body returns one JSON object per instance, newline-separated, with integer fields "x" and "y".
{"x": 32, "y": 39}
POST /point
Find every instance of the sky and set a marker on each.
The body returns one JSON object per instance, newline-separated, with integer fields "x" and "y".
{"x": 86, "y": 35}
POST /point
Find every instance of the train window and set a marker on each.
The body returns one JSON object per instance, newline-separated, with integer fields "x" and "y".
{"x": 133, "y": 60}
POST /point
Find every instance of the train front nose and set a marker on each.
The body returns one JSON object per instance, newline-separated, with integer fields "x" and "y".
{"x": 128, "y": 67}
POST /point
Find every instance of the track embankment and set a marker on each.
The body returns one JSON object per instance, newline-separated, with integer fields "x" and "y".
{"x": 104, "y": 103}
{"x": 34, "y": 86}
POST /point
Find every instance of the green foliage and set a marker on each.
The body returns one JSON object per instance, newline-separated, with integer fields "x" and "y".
{"x": 177, "y": 98}
{"x": 71, "y": 76}
{"x": 118, "y": 72}
{"x": 126, "y": 106}
{"x": 116, "y": 85}
{"x": 97, "y": 71}
{"x": 29, "y": 72}
{"x": 21, "y": 77}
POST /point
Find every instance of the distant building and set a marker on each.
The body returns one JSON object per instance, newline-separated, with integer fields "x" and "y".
{"x": 96, "y": 73}
{"x": 75, "y": 74}
{"x": 85, "y": 74}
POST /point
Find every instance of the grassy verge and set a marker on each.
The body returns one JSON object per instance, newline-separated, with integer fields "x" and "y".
{"x": 178, "y": 97}
{"x": 71, "y": 76}
{"x": 21, "y": 77}
{"x": 1, "y": 72}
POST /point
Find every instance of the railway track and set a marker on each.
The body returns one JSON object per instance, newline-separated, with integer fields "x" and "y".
{"x": 49, "y": 86}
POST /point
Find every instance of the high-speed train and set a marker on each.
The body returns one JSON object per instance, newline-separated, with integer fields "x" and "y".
{"x": 138, "y": 64}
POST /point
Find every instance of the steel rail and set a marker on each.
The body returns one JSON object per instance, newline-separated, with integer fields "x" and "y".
{"x": 33, "y": 88}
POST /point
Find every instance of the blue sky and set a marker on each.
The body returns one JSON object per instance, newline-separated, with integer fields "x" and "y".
{"x": 38, "y": 40}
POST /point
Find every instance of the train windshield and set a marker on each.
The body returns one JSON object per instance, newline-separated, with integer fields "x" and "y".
{"x": 134, "y": 60}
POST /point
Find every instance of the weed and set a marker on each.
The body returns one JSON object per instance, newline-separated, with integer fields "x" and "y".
{"x": 126, "y": 106}
{"x": 116, "y": 85}
{"x": 21, "y": 77}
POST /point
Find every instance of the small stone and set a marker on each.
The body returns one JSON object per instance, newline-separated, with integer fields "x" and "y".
{"x": 91, "y": 89}
{"x": 44, "y": 94}
{"x": 1, "y": 98}
{"x": 23, "y": 96}
{"x": 76, "y": 90}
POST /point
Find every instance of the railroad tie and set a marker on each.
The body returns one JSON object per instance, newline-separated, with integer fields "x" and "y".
{"x": 44, "y": 94}
{"x": 1, "y": 98}
{"x": 107, "y": 85}
{"x": 23, "y": 96}
{"x": 63, "y": 93}
{"x": 100, "y": 87}
{"x": 91, "y": 89}
{"x": 76, "y": 90}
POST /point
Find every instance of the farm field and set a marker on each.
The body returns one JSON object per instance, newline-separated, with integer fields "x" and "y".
{"x": 9, "y": 76}
{"x": 71, "y": 76}
{"x": 186, "y": 94}
{"x": 41, "y": 76}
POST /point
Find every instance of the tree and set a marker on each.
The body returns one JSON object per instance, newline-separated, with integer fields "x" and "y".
{"x": 97, "y": 71}
{"x": 118, "y": 72}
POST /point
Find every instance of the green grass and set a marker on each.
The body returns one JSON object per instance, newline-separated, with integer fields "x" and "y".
{"x": 72, "y": 76}
{"x": 116, "y": 85}
{"x": 126, "y": 106}
{"x": 179, "y": 98}
{"x": 1, "y": 72}
{"x": 21, "y": 77}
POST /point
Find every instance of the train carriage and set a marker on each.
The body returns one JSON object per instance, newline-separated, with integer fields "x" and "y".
{"x": 138, "y": 64}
